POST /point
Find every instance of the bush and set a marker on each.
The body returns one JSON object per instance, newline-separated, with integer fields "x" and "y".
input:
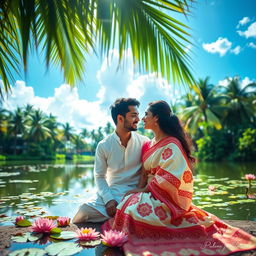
{"x": 60, "y": 157}
{"x": 246, "y": 148}
{"x": 83, "y": 158}
{"x": 214, "y": 146}
{"x": 2, "y": 158}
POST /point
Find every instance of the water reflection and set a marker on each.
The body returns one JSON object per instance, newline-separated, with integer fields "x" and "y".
{"x": 70, "y": 184}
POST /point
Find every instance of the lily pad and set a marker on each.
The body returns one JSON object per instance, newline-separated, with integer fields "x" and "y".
{"x": 64, "y": 235}
{"x": 91, "y": 243}
{"x": 8, "y": 174}
{"x": 217, "y": 200}
{"x": 63, "y": 249}
{"x": 55, "y": 231}
{"x": 20, "y": 181}
{"x": 31, "y": 237}
{"x": 24, "y": 223}
{"x": 28, "y": 252}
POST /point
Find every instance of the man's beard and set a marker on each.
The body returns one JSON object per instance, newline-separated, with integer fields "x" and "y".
{"x": 129, "y": 127}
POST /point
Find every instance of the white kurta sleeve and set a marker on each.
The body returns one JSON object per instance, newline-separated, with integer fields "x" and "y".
{"x": 100, "y": 170}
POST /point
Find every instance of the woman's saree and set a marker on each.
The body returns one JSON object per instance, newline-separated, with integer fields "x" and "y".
{"x": 164, "y": 221}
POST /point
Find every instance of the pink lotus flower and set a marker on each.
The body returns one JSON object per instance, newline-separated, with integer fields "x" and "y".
{"x": 114, "y": 238}
{"x": 18, "y": 219}
{"x": 43, "y": 225}
{"x": 86, "y": 234}
{"x": 211, "y": 188}
{"x": 251, "y": 196}
{"x": 250, "y": 176}
{"x": 63, "y": 221}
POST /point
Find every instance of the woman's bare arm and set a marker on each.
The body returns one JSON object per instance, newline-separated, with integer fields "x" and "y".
{"x": 143, "y": 178}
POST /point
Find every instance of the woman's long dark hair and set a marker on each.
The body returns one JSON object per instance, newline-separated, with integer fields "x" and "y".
{"x": 171, "y": 125}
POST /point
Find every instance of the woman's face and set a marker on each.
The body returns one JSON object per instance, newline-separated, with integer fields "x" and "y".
{"x": 149, "y": 120}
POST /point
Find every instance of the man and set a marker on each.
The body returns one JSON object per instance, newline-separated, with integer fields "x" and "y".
{"x": 117, "y": 163}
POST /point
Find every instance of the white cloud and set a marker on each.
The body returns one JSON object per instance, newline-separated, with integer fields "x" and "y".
{"x": 252, "y": 45}
{"x": 221, "y": 46}
{"x": 250, "y": 32}
{"x": 113, "y": 81}
{"x": 236, "y": 50}
{"x": 243, "y": 21}
{"x": 150, "y": 87}
{"x": 224, "y": 82}
{"x": 65, "y": 105}
{"x": 244, "y": 82}
{"x": 116, "y": 84}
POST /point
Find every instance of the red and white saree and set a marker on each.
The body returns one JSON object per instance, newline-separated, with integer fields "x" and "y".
{"x": 164, "y": 221}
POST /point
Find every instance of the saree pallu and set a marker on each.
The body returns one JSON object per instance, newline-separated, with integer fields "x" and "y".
{"x": 164, "y": 221}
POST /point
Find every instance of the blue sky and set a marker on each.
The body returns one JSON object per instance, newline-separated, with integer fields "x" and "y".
{"x": 224, "y": 37}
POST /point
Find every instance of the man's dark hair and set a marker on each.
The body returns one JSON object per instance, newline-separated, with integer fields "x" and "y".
{"x": 121, "y": 107}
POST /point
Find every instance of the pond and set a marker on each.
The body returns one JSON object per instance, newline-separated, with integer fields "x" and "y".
{"x": 42, "y": 188}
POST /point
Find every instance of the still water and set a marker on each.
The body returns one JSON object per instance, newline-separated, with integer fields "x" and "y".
{"x": 40, "y": 188}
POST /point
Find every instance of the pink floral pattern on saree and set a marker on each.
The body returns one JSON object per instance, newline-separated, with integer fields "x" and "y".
{"x": 144, "y": 209}
{"x": 176, "y": 222}
{"x": 134, "y": 199}
{"x": 160, "y": 212}
{"x": 167, "y": 153}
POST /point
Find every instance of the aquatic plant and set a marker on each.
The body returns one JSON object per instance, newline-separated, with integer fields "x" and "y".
{"x": 63, "y": 221}
{"x": 114, "y": 238}
{"x": 86, "y": 234}
{"x": 43, "y": 225}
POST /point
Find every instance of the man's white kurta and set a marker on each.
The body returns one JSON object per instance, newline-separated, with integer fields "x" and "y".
{"x": 116, "y": 169}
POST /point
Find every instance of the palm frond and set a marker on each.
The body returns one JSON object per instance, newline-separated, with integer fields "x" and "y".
{"x": 66, "y": 30}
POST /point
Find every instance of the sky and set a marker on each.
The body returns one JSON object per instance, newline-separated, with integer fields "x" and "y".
{"x": 224, "y": 45}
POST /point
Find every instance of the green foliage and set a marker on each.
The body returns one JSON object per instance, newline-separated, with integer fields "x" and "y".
{"x": 63, "y": 248}
{"x": 246, "y": 149}
{"x": 24, "y": 223}
{"x": 214, "y": 146}
{"x": 2, "y": 158}
{"x": 83, "y": 158}
{"x": 60, "y": 156}
{"x": 67, "y": 30}
{"x": 28, "y": 236}
{"x": 28, "y": 251}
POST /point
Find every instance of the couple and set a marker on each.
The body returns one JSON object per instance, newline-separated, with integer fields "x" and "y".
{"x": 153, "y": 203}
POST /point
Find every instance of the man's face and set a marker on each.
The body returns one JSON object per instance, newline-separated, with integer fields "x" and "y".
{"x": 131, "y": 119}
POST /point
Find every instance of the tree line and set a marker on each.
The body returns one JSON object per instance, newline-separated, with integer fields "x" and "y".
{"x": 29, "y": 132}
{"x": 221, "y": 119}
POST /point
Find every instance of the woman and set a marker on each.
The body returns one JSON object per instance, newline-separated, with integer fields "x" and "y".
{"x": 161, "y": 212}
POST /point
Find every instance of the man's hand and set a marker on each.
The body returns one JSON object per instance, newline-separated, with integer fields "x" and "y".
{"x": 111, "y": 207}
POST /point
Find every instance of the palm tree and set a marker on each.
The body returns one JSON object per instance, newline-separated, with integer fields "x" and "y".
{"x": 4, "y": 116}
{"x": 68, "y": 131}
{"x": 65, "y": 30}
{"x": 17, "y": 125}
{"x": 52, "y": 125}
{"x": 3, "y": 120}
{"x": 84, "y": 133}
{"x": 28, "y": 109}
{"x": 96, "y": 136}
{"x": 38, "y": 126}
{"x": 205, "y": 106}
{"x": 108, "y": 129}
{"x": 79, "y": 143}
{"x": 240, "y": 106}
